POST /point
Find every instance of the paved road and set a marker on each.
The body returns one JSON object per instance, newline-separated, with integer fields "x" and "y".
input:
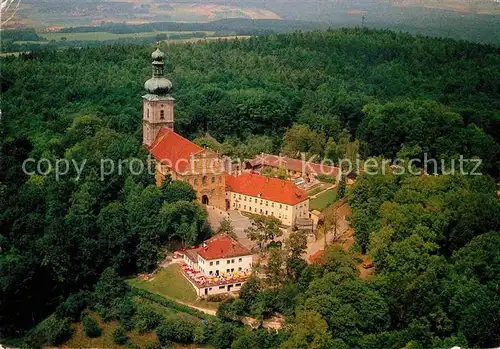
{"x": 239, "y": 222}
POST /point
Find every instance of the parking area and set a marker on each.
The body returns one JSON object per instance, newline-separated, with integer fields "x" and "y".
{"x": 239, "y": 222}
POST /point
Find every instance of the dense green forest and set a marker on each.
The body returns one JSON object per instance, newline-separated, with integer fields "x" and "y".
{"x": 434, "y": 239}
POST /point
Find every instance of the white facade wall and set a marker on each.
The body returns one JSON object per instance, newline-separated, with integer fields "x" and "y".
{"x": 285, "y": 213}
{"x": 205, "y": 291}
{"x": 226, "y": 265}
{"x": 189, "y": 262}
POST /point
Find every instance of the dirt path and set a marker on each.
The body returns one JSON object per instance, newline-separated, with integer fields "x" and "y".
{"x": 321, "y": 192}
{"x": 203, "y": 310}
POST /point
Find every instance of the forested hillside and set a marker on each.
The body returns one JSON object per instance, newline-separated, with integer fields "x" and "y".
{"x": 388, "y": 93}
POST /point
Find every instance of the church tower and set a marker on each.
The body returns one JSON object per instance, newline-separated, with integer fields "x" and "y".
{"x": 158, "y": 107}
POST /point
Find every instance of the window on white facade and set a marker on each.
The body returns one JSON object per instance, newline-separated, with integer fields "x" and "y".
{"x": 217, "y": 263}
{"x": 239, "y": 196}
{"x": 245, "y": 207}
{"x": 240, "y": 260}
{"x": 239, "y": 268}
{"x": 232, "y": 260}
{"x": 267, "y": 202}
{"x": 222, "y": 287}
{"x": 272, "y": 204}
{"x": 234, "y": 196}
{"x": 281, "y": 206}
{"x": 255, "y": 200}
{"x": 245, "y": 198}
{"x": 266, "y": 211}
{"x": 211, "y": 263}
{"x": 228, "y": 261}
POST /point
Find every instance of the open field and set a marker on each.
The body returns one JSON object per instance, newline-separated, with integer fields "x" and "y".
{"x": 60, "y": 13}
{"x": 483, "y": 7}
{"x": 317, "y": 188}
{"x": 208, "y": 38}
{"x": 170, "y": 283}
{"x": 323, "y": 200}
{"x": 80, "y": 340}
{"x": 101, "y": 36}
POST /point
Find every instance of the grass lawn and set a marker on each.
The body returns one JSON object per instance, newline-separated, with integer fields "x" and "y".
{"x": 323, "y": 200}
{"x": 170, "y": 283}
{"x": 157, "y": 307}
{"x": 105, "y": 340}
{"x": 317, "y": 188}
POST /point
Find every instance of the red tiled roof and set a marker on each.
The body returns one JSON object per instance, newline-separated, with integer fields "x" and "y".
{"x": 174, "y": 150}
{"x": 267, "y": 188}
{"x": 192, "y": 254}
{"x": 315, "y": 258}
{"x": 294, "y": 165}
{"x": 222, "y": 246}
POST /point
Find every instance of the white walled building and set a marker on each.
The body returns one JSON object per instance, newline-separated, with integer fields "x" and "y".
{"x": 269, "y": 196}
{"x": 221, "y": 265}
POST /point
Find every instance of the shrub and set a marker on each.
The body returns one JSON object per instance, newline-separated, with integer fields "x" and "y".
{"x": 131, "y": 345}
{"x": 146, "y": 319}
{"x": 168, "y": 303}
{"x": 325, "y": 178}
{"x": 51, "y": 331}
{"x": 176, "y": 328}
{"x": 126, "y": 311}
{"x": 219, "y": 297}
{"x": 199, "y": 336}
{"x": 223, "y": 335}
{"x": 73, "y": 306}
{"x": 109, "y": 292}
{"x": 120, "y": 336}
{"x": 91, "y": 327}
{"x": 157, "y": 345}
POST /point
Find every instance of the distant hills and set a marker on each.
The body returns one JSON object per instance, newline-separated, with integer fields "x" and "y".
{"x": 471, "y": 20}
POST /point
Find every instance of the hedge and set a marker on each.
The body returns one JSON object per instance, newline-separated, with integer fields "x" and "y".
{"x": 153, "y": 297}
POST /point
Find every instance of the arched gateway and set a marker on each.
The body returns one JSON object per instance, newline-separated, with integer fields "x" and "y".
{"x": 204, "y": 199}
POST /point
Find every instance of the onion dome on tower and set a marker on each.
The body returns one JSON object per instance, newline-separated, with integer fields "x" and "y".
{"x": 158, "y": 84}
